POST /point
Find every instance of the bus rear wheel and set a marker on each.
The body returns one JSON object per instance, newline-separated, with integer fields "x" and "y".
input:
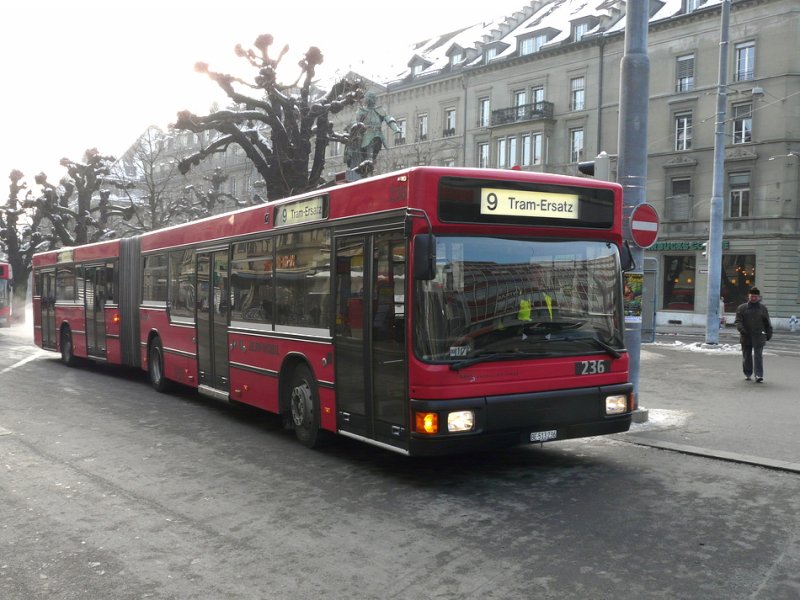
{"x": 155, "y": 362}
{"x": 67, "y": 349}
{"x": 304, "y": 407}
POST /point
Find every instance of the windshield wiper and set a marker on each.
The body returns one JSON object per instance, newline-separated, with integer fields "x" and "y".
{"x": 610, "y": 350}
{"x": 491, "y": 356}
{"x": 536, "y": 327}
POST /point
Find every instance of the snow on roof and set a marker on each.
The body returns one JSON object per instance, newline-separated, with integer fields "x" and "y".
{"x": 555, "y": 18}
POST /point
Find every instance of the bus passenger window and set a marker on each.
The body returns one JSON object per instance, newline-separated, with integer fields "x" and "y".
{"x": 252, "y": 282}
{"x": 182, "y": 292}
{"x": 303, "y": 274}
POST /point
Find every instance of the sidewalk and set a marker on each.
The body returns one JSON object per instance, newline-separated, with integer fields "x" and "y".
{"x": 698, "y": 401}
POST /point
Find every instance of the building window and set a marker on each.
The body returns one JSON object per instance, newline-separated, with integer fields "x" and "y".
{"x": 678, "y": 203}
{"x": 580, "y": 30}
{"x": 449, "y": 122}
{"x": 537, "y": 95}
{"x": 679, "y": 283}
{"x": 489, "y": 54}
{"x": 512, "y": 151}
{"x": 484, "y": 112}
{"x": 422, "y": 127}
{"x": 683, "y": 131}
{"x": 536, "y": 149}
{"x": 745, "y": 61}
{"x": 526, "y": 46}
{"x": 743, "y": 123}
{"x": 456, "y": 58}
{"x": 576, "y": 144}
{"x": 416, "y": 70}
{"x": 520, "y": 99}
{"x": 532, "y": 44}
{"x": 526, "y": 150}
{"x": 400, "y": 136}
{"x": 501, "y": 153}
{"x": 685, "y": 73}
{"x": 483, "y": 155}
{"x": 577, "y": 93}
{"x": 739, "y": 194}
{"x": 692, "y": 5}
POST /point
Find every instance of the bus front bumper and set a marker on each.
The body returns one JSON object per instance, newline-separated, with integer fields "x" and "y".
{"x": 501, "y": 421}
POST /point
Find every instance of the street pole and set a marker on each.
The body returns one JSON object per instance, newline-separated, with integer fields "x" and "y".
{"x": 714, "y": 248}
{"x": 632, "y": 162}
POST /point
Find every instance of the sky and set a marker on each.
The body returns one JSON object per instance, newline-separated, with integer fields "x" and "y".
{"x": 80, "y": 74}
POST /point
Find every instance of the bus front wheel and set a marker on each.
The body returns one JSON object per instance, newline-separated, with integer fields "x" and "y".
{"x": 304, "y": 407}
{"x": 156, "y": 366}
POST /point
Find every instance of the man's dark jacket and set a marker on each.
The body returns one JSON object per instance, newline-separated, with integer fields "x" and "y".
{"x": 752, "y": 321}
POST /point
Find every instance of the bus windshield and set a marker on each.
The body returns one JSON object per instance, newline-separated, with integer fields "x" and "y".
{"x": 505, "y": 299}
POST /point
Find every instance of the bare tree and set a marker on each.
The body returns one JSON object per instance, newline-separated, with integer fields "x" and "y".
{"x": 20, "y": 237}
{"x": 147, "y": 177}
{"x": 84, "y": 180}
{"x": 201, "y": 201}
{"x": 288, "y": 161}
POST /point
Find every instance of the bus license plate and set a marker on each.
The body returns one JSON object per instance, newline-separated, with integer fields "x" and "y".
{"x": 543, "y": 436}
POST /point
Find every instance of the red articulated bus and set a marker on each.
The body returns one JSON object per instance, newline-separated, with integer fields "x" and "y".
{"x": 5, "y": 294}
{"x": 428, "y": 311}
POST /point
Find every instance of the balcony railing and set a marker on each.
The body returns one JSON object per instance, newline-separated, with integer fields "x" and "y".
{"x": 524, "y": 112}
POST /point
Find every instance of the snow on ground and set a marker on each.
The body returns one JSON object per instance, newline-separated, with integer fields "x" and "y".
{"x": 659, "y": 418}
{"x": 701, "y": 347}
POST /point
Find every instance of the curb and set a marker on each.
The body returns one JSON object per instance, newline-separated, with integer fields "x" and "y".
{"x": 746, "y": 459}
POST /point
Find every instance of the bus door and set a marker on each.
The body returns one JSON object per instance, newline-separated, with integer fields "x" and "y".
{"x": 48, "y": 309}
{"x": 370, "y": 337}
{"x": 213, "y": 298}
{"x": 95, "y": 299}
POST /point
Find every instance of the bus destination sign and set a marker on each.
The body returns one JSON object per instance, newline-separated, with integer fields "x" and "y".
{"x": 302, "y": 211}
{"x": 521, "y": 203}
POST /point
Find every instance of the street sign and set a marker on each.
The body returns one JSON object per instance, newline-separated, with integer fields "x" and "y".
{"x": 644, "y": 225}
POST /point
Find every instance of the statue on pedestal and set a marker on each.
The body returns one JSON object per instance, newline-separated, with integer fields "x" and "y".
{"x": 366, "y": 137}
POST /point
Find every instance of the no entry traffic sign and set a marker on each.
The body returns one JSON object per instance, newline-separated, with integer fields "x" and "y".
{"x": 644, "y": 225}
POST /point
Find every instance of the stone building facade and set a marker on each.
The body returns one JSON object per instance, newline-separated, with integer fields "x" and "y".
{"x": 539, "y": 90}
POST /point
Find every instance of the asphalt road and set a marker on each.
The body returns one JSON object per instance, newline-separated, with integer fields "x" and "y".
{"x": 110, "y": 490}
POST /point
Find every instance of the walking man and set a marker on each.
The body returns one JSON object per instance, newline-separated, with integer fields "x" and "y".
{"x": 755, "y": 329}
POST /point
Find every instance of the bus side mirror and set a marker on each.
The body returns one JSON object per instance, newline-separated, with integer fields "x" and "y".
{"x": 626, "y": 258}
{"x": 424, "y": 257}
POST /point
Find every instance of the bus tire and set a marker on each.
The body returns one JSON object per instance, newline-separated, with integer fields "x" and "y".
{"x": 155, "y": 366}
{"x": 304, "y": 407}
{"x": 67, "y": 349}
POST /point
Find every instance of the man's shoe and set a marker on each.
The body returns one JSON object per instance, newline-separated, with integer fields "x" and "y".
{"x": 747, "y": 378}
{"x": 759, "y": 380}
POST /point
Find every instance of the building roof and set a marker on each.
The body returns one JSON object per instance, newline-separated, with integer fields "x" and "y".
{"x": 553, "y": 18}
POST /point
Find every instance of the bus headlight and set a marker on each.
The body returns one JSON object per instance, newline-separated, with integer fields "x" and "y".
{"x": 461, "y": 420}
{"x": 617, "y": 404}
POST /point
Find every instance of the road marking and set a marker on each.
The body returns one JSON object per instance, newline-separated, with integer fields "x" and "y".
{"x": 22, "y": 362}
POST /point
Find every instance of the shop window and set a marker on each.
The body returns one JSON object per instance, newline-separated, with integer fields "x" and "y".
{"x": 679, "y": 283}
{"x": 738, "y": 276}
